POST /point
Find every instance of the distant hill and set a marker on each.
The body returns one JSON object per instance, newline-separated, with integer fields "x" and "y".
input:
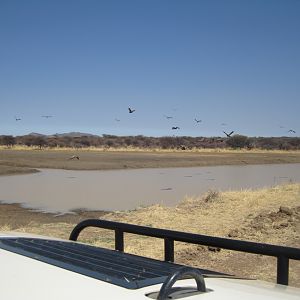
{"x": 36, "y": 134}
{"x": 66, "y": 134}
{"x": 74, "y": 134}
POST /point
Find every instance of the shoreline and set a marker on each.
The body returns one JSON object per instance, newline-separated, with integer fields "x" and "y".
{"x": 16, "y": 216}
{"x": 269, "y": 215}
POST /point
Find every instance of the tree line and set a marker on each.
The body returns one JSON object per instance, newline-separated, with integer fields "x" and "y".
{"x": 144, "y": 142}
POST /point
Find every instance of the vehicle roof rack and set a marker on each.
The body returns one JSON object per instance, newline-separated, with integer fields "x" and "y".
{"x": 122, "y": 269}
{"x": 283, "y": 254}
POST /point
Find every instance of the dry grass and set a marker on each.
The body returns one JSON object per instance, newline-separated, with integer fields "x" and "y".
{"x": 147, "y": 150}
{"x": 215, "y": 213}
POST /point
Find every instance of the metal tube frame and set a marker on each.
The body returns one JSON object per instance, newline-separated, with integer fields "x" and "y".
{"x": 283, "y": 254}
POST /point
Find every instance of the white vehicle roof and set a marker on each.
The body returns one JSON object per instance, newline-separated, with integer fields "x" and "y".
{"x": 24, "y": 277}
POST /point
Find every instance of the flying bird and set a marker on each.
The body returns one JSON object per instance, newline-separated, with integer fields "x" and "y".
{"x": 118, "y": 120}
{"x": 131, "y": 110}
{"x": 292, "y": 131}
{"x": 197, "y": 121}
{"x": 168, "y": 117}
{"x": 47, "y": 116}
{"x": 229, "y": 134}
{"x": 18, "y": 119}
{"x": 175, "y": 127}
{"x": 74, "y": 156}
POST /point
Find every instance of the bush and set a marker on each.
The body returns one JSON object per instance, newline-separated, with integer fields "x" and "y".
{"x": 7, "y": 140}
{"x": 238, "y": 141}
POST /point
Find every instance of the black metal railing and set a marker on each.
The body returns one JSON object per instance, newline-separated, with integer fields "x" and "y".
{"x": 283, "y": 254}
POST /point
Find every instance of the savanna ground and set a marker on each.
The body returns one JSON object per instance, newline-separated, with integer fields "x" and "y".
{"x": 269, "y": 215}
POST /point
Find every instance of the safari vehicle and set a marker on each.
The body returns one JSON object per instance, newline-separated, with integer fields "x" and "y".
{"x": 35, "y": 267}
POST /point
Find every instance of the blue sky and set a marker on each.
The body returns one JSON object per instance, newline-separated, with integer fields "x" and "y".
{"x": 85, "y": 62}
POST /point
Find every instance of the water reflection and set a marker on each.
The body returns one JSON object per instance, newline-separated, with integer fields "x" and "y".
{"x": 62, "y": 190}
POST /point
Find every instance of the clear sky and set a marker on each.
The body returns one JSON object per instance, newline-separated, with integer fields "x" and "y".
{"x": 234, "y": 64}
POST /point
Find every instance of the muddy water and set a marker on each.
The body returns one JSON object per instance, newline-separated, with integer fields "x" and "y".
{"x": 61, "y": 191}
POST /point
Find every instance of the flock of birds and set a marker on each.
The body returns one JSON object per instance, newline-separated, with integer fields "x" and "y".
{"x": 131, "y": 111}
